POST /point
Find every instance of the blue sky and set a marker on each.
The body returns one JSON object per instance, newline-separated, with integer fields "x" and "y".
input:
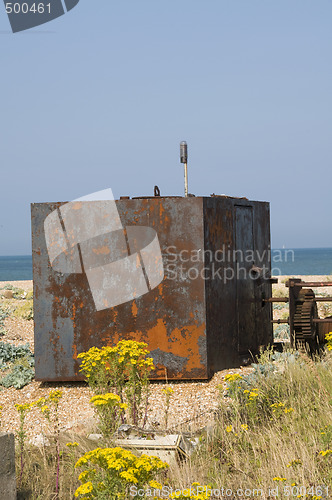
{"x": 102, "y": 96}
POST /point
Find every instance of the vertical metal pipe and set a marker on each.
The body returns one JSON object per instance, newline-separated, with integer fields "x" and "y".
{"x": 185, "y": 180}
{"x": 184, "y": 160}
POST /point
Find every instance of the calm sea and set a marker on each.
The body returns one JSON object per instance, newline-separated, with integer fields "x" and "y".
{"x": 316, "y": 261}
{"x": 16, "y": 268}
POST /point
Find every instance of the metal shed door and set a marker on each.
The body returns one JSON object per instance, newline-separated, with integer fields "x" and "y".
{"x": 245, "y": 286}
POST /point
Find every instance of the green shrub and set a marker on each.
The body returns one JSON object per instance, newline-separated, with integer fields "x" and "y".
{"x": 16, "y": 365}
{"x": 282, "y": 332}
{"x": 18, "y": 293}
{"x": 24, "y": 310}
{"x": 10, "y": 353}
{"x": 18, "y": 377}
{"x": 4, "y": 313}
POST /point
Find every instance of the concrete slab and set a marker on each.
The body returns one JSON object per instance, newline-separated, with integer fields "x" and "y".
{"x": 7, "y": 467}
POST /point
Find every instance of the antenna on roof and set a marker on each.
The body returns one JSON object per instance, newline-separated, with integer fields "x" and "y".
{"x": 184, "y": 160}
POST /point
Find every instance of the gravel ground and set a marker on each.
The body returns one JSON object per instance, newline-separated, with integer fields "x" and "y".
{"x": 192, "y": 403}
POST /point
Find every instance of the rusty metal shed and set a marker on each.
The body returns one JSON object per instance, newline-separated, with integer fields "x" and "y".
{"x": 198, "y": 320}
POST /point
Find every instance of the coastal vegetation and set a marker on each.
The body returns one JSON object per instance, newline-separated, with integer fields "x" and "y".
{"x": 16, "y": 362}
{"x": 272, "y": 432}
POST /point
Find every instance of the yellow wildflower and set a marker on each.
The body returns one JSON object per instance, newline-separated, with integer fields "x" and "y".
{"x": 253, "y": 395}
{"x": 84, "y": 475}
{"x": 294, "y": 462}
{"x": 55, "y": 396}
{"x": 24, "y": 407}
{"x": 232, "y": 377}
{"x": 130, "y": 478}
{"x": 154, "y": 484}
{"x": 72, "y": 445}
{"x": 84, "y": 489}
{"x": 168, "y": 390}
{"x": 288, "y": 410}
{"x": 325, "y": 453}
{"x": 328, "y": 338}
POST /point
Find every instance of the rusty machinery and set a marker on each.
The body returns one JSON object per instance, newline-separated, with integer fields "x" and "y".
{"x": 306, "y": 328}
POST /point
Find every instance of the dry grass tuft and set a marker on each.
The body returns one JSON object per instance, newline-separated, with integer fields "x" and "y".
{"x": 255, "y": 443}
{"x": 269, "y": 432}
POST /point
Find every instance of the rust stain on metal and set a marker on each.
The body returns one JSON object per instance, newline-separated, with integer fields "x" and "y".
{"x": 134, "y": 309}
